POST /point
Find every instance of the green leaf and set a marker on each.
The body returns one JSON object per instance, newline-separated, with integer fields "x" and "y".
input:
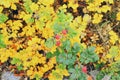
{"x": 61, "y": 16}
{"x": 77, "y": 74}
{"x": 30, "y": 20}
{"x": 41, "y": 24}
{"x": 3, "y": 18}
{"x": 87, "y": 61}
{"x": 100, "y": 75}
{"x": 64, "y": 18}
{"x": 37, "y": 77}
{"x": 2, "y": 44}
{"x": 105, "y": 23}
{"x": 69, "y": 55}
{"x": 90, "y": 1}
{"x": 67, "y": 45}
{"x": 67, "y": 59}
{"x": 57, "y": 52}
{"x": 50, "y": 42}
{"x": 99, "y": 66}
{"x": 114, "y": 50}
{"x": 71, "y": 32}
{"x": 66, "y": 62}
{"x": 115, "y": 77}
{"x": 71, "y": 70}
{"x": 91, "y": 49}
{"x": 57, "y": 28}
{"x": 49, "y": 55}
{"x": 76, "y": 48}
{"x": 113, "y": 15}
{"x": 27, "y": 4}
{"x": 61, "y": 57}
{"x": 88, "y": 55}
{"x": 96, "y": 57}
{"x": 15, "y": 61}
{"x": 20, "y": 67}
{"x": 70, "y": 66}
{"x": 61, "y": 66}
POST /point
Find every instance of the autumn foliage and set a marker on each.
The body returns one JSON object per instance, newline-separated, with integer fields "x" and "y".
{"x": 60, "y": 39}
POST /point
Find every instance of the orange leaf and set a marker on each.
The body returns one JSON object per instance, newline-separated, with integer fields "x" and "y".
{"x": 12, "y": 67}
{"x": 1, "y": 63}
{"x": 22, "y": 74}
{"x": 89, "y": 77}
{"x": 64, "y": 0}
{"x": 16, "y": 74}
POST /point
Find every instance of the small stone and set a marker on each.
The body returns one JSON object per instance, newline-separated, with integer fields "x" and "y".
{"x": 9, "y": 76}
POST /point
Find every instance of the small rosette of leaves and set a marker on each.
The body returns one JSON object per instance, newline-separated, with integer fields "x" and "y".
{"x": 88, "y": 55}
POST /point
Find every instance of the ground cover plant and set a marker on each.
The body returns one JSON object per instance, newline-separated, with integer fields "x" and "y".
{"x": 60, "y": 39}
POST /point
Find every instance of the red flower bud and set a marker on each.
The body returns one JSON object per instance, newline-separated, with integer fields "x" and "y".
{"x": 84, "y": 69}
{"x": 58, "y": 43}
{"x": 64, "y": 32}
{"x": 57, "y": 36}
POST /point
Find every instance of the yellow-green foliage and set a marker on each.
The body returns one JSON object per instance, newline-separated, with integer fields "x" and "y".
{"x": 34, "y": 34}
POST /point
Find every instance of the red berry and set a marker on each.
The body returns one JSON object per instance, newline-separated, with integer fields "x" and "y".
{"x": 84, "y": 69}
{"x": 58, "y": 43}
{"x": 64, "y": 32}
{"x": 57, "y": 36}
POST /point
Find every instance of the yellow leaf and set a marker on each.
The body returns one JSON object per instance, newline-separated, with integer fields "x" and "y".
{"x": 26, "y": 16}
{"x": 111, "y": 1}
{"x": 113, "y": 37}
{"x": 117, "y": 58}
{"x": 65, "y": 72}
{"x": 78, "y": 19}
{"x": 29, "y": 72}
{"x": 108, "y": 56}
{"x": 21, "y": 14}
{"x": 75, "y": 39}
{"x": 46, "y": 2}
{"x": 53, "y": 60}
{"x": 47, "y": 32}
{"x": 99, "y": 49}
{"x": 86, "y": 18}
{"x": 5, "y": 3}
{"x": 73, "y": 5}
{"x": 13, "y": 6}
{"x": 118, "y": 16}
{"x": 91, "y": 7}
{"x": 97, "y": 18}
{"x": 1, "y": 8}
{"x": 34, "y": 7}
{"x": 105, "y": 8}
